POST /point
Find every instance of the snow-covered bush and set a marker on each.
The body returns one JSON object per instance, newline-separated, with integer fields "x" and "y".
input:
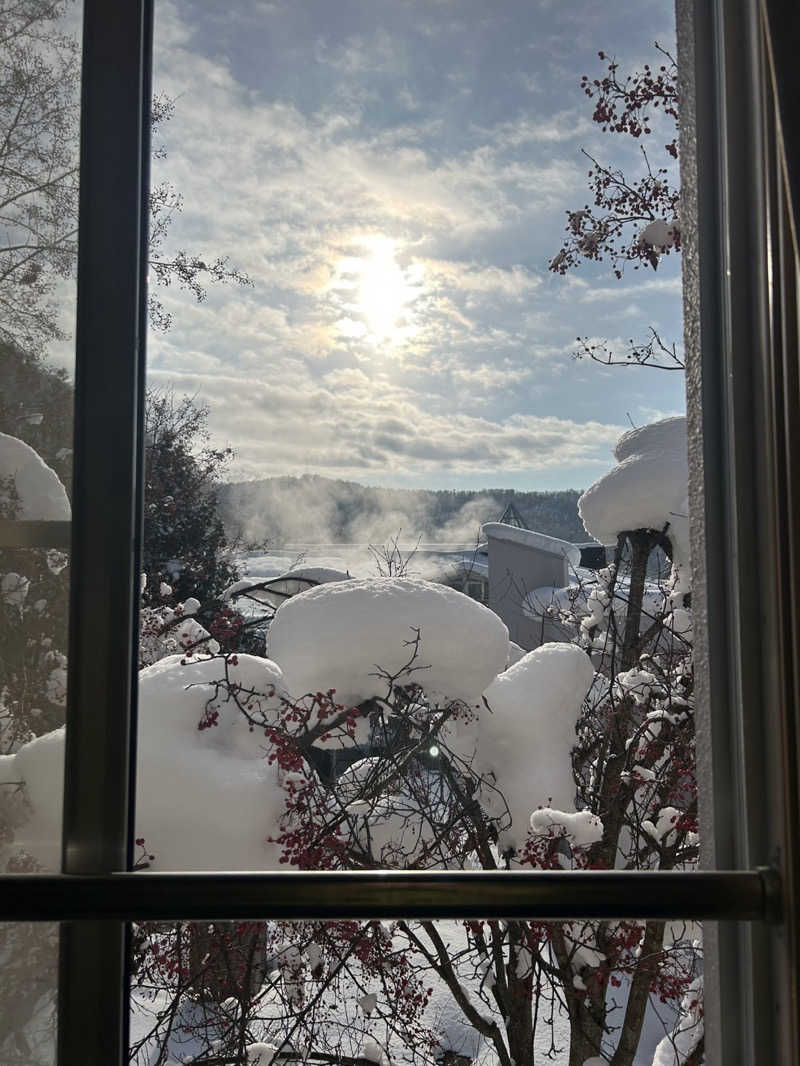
{"x": 33, "y": 594}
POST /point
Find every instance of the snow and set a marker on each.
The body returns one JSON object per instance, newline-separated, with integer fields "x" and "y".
{"x": 40, "y": 492}
{"x": 648, "y": 489}
{"x": 526, "y": 739}
{"x": 40, "y": 764}
{"x": 531, "y": 539}
{"x": 676, "y": 1047}
{"x": 284, "y": 584}
{"x": 680, "y": 623}
{"x": 260, "y": 1054}
{"x": 368, "y": 1002}
{"x": 390, "y": 825}
{"x": 167, "y": 631}
{"x": 549, "y": 600}
{"x": 350, "y": 635}
{"x": 664, "y": 824}
{"x": 583, "y": 827}
{"x": 659, "y": 234}
{"x": 207, "y": 799}
{"x": 637, "y": 684}
{"x": 14, "y": 589}
{"x": 238, "y": 586}
{"x": 515, "y": 653}
{"x": 373, "y": 1051}
{"x": 591, "y": 602}
{"x": 321, "y": 574}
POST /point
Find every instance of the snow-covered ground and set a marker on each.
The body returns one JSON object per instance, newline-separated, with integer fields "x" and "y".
{"x": 362, "y": 1018}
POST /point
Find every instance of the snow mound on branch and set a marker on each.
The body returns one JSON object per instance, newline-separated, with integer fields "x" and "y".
{"x": 681, "y": 624}
{"x": 582, "y": 828}
{"x": 14, "y": 589}
{"x": 526, "y": 740}
{"x": 349, "y": 635}
{"x": 40, "y": 492}
{"x": 677, "y": 1047}
{"x": 40, "y": 764}
{"x": 260, "y": 1054}
{"x": 660, "y": 233}
{"x": 208, "y": 798}
{"x": 648, "y": 489}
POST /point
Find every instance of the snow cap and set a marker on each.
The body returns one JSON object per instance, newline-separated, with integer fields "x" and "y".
{"x": 660, "y": 233}
{"x": 647, "y": 489}
{"x": 348, "y": 635}
{"x": 40, "y": 764}
{"x": 526, "y": 740}
{"x": 41, "y": 494}
{"x": 207, "y": 798}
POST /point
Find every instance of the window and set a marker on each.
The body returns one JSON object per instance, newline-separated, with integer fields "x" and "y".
{"x": 745, "y": 463}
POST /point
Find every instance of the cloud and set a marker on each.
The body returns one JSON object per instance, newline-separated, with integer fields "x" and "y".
{"x": 411, "y": 125}
{"x": 356, "y": 431}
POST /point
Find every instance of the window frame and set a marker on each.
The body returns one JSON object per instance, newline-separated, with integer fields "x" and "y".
{"x": 740, "y": 263}
{"x": 732, "y": 311}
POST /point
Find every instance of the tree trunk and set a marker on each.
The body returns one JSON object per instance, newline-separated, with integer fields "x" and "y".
{"x": 642, "y": 542}
{"x": 652, "y": 942}
{"x": 227, "y": 960}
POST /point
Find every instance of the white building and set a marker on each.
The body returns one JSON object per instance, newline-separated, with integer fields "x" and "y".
{"x": 520, "y": 562}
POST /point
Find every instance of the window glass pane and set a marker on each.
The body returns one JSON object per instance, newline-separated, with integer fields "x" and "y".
{"x": 369, "y": 420}
{"x": 28, "y": 1001}
{"x": 374, "y": 319}
{"x": 446, "y": 992}
{"x": 39, "y": 100}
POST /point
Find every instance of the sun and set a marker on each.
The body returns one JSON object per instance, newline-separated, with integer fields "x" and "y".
{"x": 384, "y": 293}
{"x": 381, "y": 291}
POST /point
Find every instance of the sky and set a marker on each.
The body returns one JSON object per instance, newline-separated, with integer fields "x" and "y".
{"x": 394, "y": 177}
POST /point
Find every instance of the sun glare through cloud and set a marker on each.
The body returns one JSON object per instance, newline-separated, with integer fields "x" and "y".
{"x": 377, "y": 293}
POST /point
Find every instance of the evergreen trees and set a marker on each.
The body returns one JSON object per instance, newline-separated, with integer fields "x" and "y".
{"x": 184, "y": 544}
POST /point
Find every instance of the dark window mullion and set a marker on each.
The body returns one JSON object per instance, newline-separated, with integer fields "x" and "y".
{"x": 104, "y": 579}
{"x": 717, "y": 895}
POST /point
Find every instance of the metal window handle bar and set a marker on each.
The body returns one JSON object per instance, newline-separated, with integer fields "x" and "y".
{"x": 541, "y": 895}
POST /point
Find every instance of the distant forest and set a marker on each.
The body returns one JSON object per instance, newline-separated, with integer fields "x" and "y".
{"x": 317, "y": 510}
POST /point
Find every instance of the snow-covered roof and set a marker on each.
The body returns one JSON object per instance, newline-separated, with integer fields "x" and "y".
{"x": 475, "y": 564}
{"x": 531, "y": 539}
